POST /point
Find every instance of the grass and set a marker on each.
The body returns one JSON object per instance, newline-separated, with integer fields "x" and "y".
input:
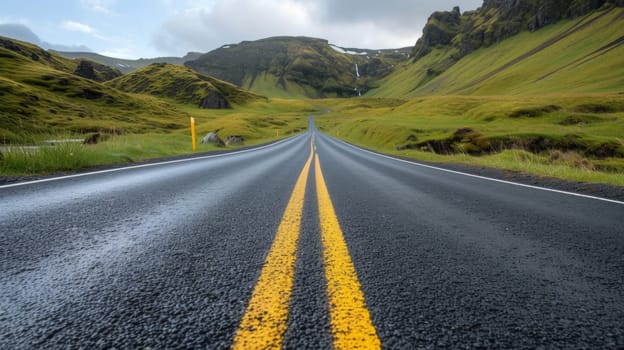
{"x": 502, "y": 131}
{"x": 259, "y": 122}
{"x": 180, "y": 84}
{"x": 546, "y": 61}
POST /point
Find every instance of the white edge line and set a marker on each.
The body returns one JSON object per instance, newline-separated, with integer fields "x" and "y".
{"x": 481, "y": 177}
{"x": 145, "y": 165}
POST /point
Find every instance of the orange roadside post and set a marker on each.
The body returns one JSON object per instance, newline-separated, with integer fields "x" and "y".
{"x": 193, "y": 136}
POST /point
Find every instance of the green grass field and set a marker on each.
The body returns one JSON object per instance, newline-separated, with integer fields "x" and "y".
{"x": 257, "y": 123}
{"x": 575, "y": 137}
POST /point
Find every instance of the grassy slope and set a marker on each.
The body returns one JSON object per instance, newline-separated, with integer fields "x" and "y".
{"x": 124, "y": 65}
{"x": 588, "y": 119}
{"x": 37, "y": 98}
{"x": 572, "y": 63}
{"x": 550, "y": 102}
{"x": 179, "y": 83}
{"x": 40, "y": 100}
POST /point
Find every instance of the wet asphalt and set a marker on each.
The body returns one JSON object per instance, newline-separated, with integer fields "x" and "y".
{"x": 167, "y": 256}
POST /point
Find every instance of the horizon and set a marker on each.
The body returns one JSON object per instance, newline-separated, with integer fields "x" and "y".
{"x": 168, "y": 28}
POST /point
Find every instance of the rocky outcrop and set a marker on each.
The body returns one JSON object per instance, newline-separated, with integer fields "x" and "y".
{"x": 497, "y": 20}
{"x": 236, "y": 140}
{"x": 96, "y": 71}
{"x": 441, "y": 28}
{"x": 214, "y": 100}
{"x": 213, "y": 138}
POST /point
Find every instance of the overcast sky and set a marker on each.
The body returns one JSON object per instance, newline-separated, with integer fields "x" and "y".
{"x": 150, "y": 28}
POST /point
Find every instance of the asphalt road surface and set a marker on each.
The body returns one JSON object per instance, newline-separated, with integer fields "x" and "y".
{"x": 307, "y": 243}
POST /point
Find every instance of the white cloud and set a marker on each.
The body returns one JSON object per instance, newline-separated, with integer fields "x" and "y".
{"x": 202, "y": 25}
{"x": 102, "y": 6}
{"x": 77, "y": 27}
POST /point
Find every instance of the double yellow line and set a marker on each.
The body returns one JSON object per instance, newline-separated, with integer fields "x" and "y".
{"x": 265, "y": 321}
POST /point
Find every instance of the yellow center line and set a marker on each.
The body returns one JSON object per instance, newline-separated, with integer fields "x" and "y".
{"x": 264, "y": 322}
{"x": 351, "y": 324}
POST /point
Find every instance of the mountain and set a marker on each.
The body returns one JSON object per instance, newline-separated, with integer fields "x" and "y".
{"x": 125, "y": 65}
{"x": 497, "y": 20}
{"x": 23, "y": 33}
{"x": 81, "y": 67}
{"x": 183, "y": 85}
{"x": 41, "y": 92}
{"x": 298, "y": 67}
{"x": 516, "y": 47}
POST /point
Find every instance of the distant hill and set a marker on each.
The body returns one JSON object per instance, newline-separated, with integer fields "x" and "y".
{"x": 516, "y": 48}
{"x": 127, "y": 66}
{"x": 41, "y": 92}
{"x": 183, "y": 85}
{"x": 21, "y": 32}
{"x": 81, "y": 67}
{"x": 298, "y": 67}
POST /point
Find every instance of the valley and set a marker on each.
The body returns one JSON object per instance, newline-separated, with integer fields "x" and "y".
{"x": 546, "y": 99}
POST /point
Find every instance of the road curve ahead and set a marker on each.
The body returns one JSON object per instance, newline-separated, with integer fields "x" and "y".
{"x": 307, "y": 243}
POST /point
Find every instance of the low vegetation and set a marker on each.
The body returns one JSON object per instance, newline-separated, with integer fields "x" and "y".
{"x": 576, "y": 137}
{"x": 259, "y": 122}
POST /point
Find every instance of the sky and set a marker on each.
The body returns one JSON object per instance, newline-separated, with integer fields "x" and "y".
{"x": 152, "y": 28}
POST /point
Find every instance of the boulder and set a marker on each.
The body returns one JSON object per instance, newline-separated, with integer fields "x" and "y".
{"x": 234, "y": 140}
{"x": 213, "y": 138}
{"x": 214, "y": 100}
{"x": 86, "y": 70}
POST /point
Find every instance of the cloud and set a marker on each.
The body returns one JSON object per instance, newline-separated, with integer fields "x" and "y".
{"x": 207, "y": 24}
{"x": 23, "y": 33}
{"x": 119, "y": 52}
{"x": 102, "y": 6}
{"x": 77, "y": 27}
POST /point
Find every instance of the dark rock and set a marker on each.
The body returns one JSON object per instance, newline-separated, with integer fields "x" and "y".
{"x": 214, "y": 100}
{"x": 213, "y": 138}
{"x": 96, "y": 71}
{"x": 34, "y": 57}
{"x": 497, "y": 20}
{"x": 234, "y": 140}
{"x": 440, "y": 29}
{"x": 86, "y": 70}
{"x": 92, "y": 139}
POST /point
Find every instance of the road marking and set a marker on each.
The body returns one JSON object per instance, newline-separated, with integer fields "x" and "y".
{"x": 482, "y": 177}
{"x": 264, "y": 322}
{"x": 144, "y": 165}
{"x": 351, "y": 324}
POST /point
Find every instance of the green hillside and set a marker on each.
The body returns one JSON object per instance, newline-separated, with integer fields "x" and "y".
{"x": 125, "y": 65}
{"x": 183, "y": 85}
{"x": 298, "y": 67}
{"x": 39, "y": 93}
{"x": 578, "y": 55}
{"x": 531, "y": 86}
{"x": 82, "y": 67}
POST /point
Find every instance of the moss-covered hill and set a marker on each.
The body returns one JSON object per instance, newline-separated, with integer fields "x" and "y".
{"x": 40, "y": 92}
{"x": 82, "y": 67}
{"x": 183, "y": 85}
{"x": 125, "y": 65}
{"x": 298, "y": 67}
{"x": 574, "y": 55}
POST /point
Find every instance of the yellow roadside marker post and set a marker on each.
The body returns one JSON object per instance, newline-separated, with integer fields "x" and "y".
{"x": 193, "y": 135}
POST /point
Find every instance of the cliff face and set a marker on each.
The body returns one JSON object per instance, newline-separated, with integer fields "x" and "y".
{"x": 496, "y": 20}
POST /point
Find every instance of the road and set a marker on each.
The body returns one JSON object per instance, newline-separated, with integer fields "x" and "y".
{"x": 307, "y": 243}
